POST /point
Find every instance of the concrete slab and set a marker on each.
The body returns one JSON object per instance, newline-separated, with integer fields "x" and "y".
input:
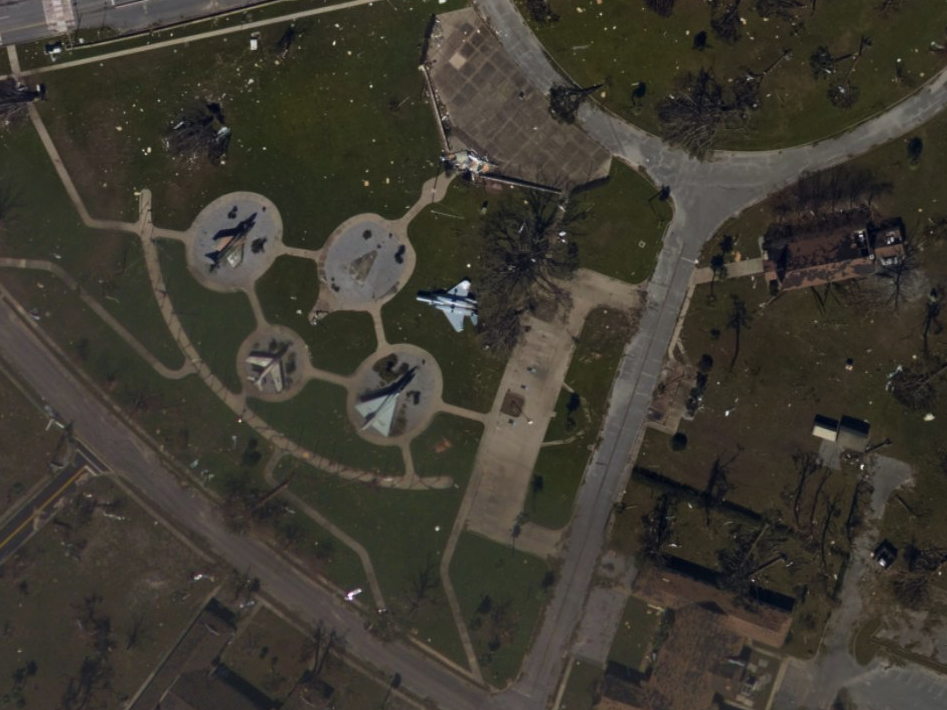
{"x": 416, "y": 404}
{"x": 364, "y": 263}
{"x": 596, "y": 630}
{"x": 255, "y": 251}
{"x": 492, "y": 107}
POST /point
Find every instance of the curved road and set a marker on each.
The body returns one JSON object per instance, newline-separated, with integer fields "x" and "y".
{"x": 704, "y": 195}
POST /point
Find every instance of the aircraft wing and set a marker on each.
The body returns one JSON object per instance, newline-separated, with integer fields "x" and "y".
{"x": 259, "y": 360}
{"x": 461, "y": 289}
{"x": 385, "y": 416}
{"x": 379, "y": 413}
{"x": 366, "y": 409}
{"x": 456, "y": 319}
{"x": 276, "y": 372}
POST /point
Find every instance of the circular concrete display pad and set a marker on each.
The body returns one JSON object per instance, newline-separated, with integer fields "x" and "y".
{"x": 364, "y": 263}
{"x": 405, "y": 367}
{"x": 273, "y": 340}
{"x": 243, "y": 231}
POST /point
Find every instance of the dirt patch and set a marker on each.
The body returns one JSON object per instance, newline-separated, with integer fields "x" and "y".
{"x": 513, "y": 404}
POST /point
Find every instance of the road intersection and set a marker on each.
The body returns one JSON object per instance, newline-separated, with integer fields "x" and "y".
{"x": 704, "y": 195}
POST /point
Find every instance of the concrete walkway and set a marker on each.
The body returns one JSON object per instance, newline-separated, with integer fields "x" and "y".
{"x": 704, "y": 195}
{"x": 246, "y": 28}
{"x": 735, "y": 270}
{"x": 510, "y": 446}
{"x": 142, "y": 352}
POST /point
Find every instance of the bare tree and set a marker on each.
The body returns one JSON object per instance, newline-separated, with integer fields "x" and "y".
{"x": 14, "y": 98}
{"x": 788, "y": 10}
{"x": 843, "y": 94}
{"x": 540, "y": 11}
{"x": 916, "y": 386}
{"x": 530, "y": 250}
{"x": 822, "y": 63}
{"x": 911, "y": 589}
{"x": 725, "y": 19}
{"x": 691, "y": 117}
{"x": 136, "y": 628}
{"x": 737, "y": 320}
{"x": 317, "y": 648}
{"x": 425, "y": 580}
{"x": 664, "y": 8}
{"x": 935, "y": 301}
{"x": 564, "y": 101}
{"x": 717, "y": 486}
{"x": 656, "y": 529}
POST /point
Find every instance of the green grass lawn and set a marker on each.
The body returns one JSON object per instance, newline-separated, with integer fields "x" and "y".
{"x": 27, "y": 445}
{"x": 269, "y": 653}
{"x": 42, "y": 224}
{"x": 622, "y": 235}
{"x": 308, "y": 129}
{"x": 582, "y": 690}
{"x": 501, "y": 593}
{"x": 182, "y": 415}
{"x": 316, "y": 419}
{"x": 216, "y": 323}
{"x": 448, "y": 445}
{"x": 129, "y": 571}
{"x": 635, "y": 635}
{"x": 782, "y": 379}
{"x": 404, "y": 533}
{"x": 287, "y": 292}
{"x": 790, "y": 367}
{"x": 621, "y": 44}
{"x": 340, "y": 342}
{"x": 447, "y": 239}
{"x": 562, "y": 465}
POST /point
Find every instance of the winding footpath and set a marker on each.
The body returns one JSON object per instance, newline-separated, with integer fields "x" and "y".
{"x": 704, "y": 194}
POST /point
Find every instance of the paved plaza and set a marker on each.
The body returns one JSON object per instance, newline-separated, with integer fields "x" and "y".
{"x": 364, "y": 262}
{"x": 243, "y": 230}
{"x": 493, "y": 108}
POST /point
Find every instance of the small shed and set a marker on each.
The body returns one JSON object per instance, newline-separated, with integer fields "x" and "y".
{"x": 825, "y": 427}
{"x": 885, "y": 554}
{"x": 853, "y": 434}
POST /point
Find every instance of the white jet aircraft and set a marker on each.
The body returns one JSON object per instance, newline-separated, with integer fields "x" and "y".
{"x": 456, "y": 304}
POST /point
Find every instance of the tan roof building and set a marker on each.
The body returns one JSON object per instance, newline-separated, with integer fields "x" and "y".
{"x": 700, "y": 662}
{"x": 671, "y": 590}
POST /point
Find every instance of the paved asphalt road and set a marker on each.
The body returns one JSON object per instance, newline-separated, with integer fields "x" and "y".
{"x": 130, "y": 457}
{"x": 28, "y": 20}
{"x": 19, "y": 528}
{"x": 704, "y": 195}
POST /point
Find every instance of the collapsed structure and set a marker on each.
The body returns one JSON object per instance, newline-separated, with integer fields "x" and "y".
{"x": 802, "y": 260}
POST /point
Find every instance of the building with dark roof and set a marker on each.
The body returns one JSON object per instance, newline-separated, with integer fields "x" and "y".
{"x": 219, "y": 690}
{"x": 850, "y": 251}
{"x": 853, "y": 434}
{"x": 702, "y": 662}
{"x": 196, "y": 651}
